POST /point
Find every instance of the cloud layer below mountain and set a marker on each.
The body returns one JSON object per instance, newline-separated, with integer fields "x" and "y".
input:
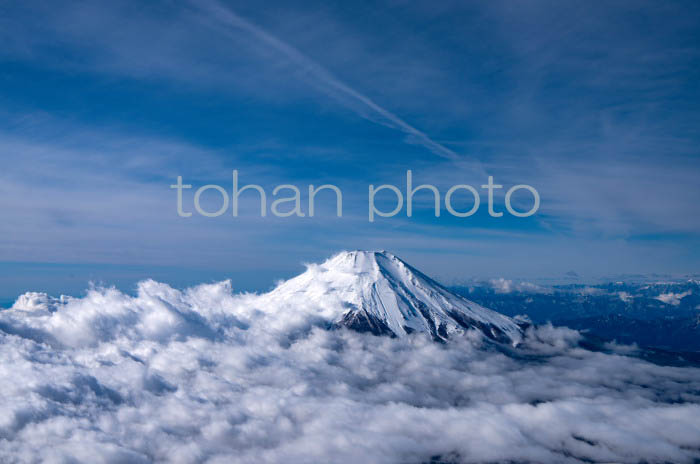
{"x": 206, "y": 375}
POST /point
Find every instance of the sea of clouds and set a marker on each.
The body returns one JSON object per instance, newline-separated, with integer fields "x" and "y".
{"x": 206, "y": 375}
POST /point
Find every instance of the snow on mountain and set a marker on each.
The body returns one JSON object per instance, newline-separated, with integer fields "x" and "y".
{"x": 205, "y": 374}
{"x": 378, "y": 292}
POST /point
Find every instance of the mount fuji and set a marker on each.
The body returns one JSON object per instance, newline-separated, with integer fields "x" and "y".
{"x": 377, "y": 292}
{"x": 206, "y": 374}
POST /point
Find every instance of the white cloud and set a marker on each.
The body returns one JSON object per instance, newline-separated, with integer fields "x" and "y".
{"x": 204, "y": 375}
{"x": 673, "y": 298}
{"x": 589, "y": 291}
{"x": 625, "y": 296}
{"x": 502, "y": 285}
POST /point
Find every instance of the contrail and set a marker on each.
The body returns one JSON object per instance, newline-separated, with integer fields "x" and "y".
{"x": 326, "y": 78}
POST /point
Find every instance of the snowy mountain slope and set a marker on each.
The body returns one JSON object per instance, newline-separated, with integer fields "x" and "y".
{"x": 206, "y": 374}
{"x": 380, "y": 293}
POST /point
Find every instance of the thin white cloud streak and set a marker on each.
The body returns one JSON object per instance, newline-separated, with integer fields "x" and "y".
{"x": 321, "y": 75}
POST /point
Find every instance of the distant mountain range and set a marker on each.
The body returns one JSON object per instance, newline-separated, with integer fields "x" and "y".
{"x": 662, "y": 315}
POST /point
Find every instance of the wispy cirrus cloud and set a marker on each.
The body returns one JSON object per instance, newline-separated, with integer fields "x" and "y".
{"x": 592, "y": 109}
{"x": 319, "y": 76}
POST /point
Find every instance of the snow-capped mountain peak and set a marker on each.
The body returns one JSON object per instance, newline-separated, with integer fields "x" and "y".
{"x": 378, "y": 292}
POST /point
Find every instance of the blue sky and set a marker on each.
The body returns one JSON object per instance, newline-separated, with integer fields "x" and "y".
{"x": 104, "y": 104}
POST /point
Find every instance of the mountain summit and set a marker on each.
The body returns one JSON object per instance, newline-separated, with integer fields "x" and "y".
{"x": 378, "y": 292}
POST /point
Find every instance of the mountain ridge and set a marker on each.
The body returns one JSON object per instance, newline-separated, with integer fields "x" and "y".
{"x": 377, "y": 292}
